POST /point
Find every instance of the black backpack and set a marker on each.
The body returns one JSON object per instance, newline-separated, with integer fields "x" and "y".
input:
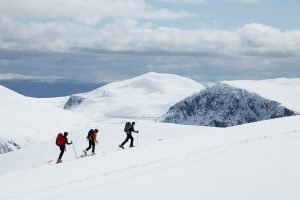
{"x": 90, "y": 134}
{"x": 127, "y": 127}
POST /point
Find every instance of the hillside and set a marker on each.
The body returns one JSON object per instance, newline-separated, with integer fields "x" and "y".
{"x": 144, "y": 97}
{"x": 170, "y": 161}
{"x": 223, "y": 105}
{"x": 283, "y": 90}
{"x": 25, "y": 120}
{"x": 252, "y": 161}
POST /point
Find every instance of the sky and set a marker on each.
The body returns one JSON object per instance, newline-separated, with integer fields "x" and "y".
{"x": 111, "y": 40}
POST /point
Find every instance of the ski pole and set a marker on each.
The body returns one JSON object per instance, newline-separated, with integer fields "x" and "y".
{"x": 137, "y": 139}
{"x": 74, "y": 150}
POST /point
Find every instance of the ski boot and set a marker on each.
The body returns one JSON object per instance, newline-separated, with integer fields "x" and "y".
{"x": 59, "y": 161}
{"x": 85, "y": 152}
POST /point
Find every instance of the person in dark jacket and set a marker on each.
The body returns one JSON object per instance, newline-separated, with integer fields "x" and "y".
{"x": 129, "y": 131}
{"x": 63, "y": 147}
{"x": 92, "y": 137}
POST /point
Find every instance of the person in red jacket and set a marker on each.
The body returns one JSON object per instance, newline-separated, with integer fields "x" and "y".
{"x": 63, "y": 147}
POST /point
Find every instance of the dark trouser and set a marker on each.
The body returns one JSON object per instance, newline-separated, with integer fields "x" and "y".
{"x": 129, "y": 136}
{"x": 62, "y": 151}
{"x": 91, "y": 145}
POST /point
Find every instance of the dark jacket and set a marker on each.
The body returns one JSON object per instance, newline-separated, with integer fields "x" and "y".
{"x": 132, "y": 129}
{"x": 66, "y": 141}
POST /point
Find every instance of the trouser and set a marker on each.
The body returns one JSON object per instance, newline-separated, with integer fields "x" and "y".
{"x": 62, "y": 151}
{"x": 129, "y": 136}
{"x": 91, "y": 145}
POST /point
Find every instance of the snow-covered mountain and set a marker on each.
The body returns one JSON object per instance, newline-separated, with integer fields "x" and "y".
{"x": 283, "y": 90}
{"x": 193, "y": 162}
{"x": 144, "y": 97}
{"x": 25, "y": 120}
{"x": 223, "y": 105}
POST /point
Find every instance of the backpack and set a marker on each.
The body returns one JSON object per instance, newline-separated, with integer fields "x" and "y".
{"x": 94, "y": 136}
{"x": 127, "y": 127}
{"x": 60, "y": 139}
{"x": 89, "y": 136}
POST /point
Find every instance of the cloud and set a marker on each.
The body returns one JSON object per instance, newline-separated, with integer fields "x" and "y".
{"x": 85, "y": 11}
{"x": 248, "y": 1}
{"x": 183, "y": 1}
{"x": 244, "y": 1}
{"x": 130, "y": 35}
{"x": 12, "y": 76}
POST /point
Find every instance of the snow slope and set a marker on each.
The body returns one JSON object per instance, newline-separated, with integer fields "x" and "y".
{"x": 283, "y": 90}
{"x": 252, "y": 161}
{"x": 25, "y": 120}
{"x": 144, "y": 97}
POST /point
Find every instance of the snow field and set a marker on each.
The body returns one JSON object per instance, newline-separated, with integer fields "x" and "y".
{"x": 252, "y": 161}
{"x": 248, "y": 161}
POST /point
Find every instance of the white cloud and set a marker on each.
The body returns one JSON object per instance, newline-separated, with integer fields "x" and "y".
{"x": 183, "y": 1}
{"x": 129, "y": 35}
{"x": 204, "y": 1}
{"x": 248, "y": 1}
{"x": 11, "y": 76}
{"x": 85, "y": 11}
{"x": 244, "y": 1}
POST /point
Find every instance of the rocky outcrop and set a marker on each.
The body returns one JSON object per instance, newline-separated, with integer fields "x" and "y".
{"x": 223, "y": 105}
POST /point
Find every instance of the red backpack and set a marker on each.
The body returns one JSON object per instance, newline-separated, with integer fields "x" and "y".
{"x": 60, "y": 139}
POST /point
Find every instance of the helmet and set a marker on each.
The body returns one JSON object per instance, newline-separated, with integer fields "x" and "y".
{"x": 133, "y": 123}
{"x": 96, "y": 130}
{"x": 66, "y": 133}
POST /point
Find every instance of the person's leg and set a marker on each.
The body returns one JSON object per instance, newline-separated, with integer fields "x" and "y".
{"x": 62, "y": 150}
{"x": 93, "y": 146}
{"x": 131, "y": 140}
{"x": 90, "y": 145}
{"x": 127, "y": 138}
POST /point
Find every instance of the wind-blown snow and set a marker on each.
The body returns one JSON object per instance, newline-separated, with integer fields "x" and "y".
{"x": 223, "y": 105}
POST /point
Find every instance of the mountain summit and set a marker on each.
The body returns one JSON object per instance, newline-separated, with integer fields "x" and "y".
{"x": 145, "y": 97}
{"x": 223, "y": 105}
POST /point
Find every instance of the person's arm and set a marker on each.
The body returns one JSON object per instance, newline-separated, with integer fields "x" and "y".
{"x": 68, "y": 142}
{"x": 136, "y": 131}
{"x": 96, "y": 138}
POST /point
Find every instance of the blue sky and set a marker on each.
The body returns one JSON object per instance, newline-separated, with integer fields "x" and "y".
{"x": 232, "y": 14}
{"x": 109, "y": 40}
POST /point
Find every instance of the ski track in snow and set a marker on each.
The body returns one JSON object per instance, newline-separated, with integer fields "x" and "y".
{"x": 89, "y": 183}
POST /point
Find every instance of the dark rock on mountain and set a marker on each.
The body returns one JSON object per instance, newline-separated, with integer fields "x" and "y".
{"x": 222, "y": 106}
{"x": 74, "y": 101}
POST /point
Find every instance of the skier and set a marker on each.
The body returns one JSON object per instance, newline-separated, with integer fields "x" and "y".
{"x": 129, "y": 128}
{"x": 61, "y": 141}
{"x": 92, "y": 137}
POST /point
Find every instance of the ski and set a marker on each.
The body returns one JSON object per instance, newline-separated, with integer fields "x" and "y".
{"x": 85, "y": 155}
